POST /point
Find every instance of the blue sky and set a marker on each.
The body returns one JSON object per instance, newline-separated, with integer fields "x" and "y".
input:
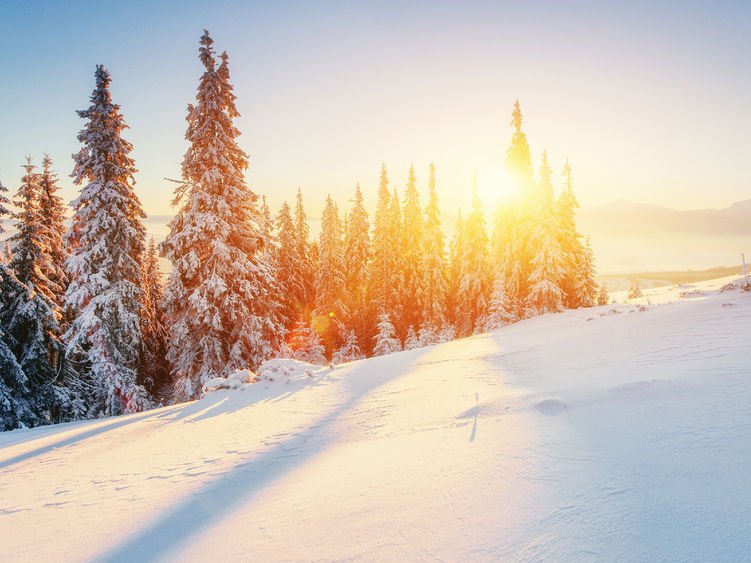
{"x": 649, "y": 101}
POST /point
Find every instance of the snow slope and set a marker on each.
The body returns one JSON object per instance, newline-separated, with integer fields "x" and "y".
{"x": 615, "y": 433}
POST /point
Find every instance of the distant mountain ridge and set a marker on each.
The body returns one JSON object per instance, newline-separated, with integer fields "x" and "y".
{"x": 623, "y": 217}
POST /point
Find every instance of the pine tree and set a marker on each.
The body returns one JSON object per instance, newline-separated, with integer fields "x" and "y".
{"x": 31, "y": 354}
{"x": 382, "y": 267}
{"x": 5, "y": 213}
{"x": 433, "y": 267}
{"x": 586, "y": 287}
{"x": 106, "y": 243}
{"x": 220, "y": 299}
{"x": 304, "y": 344}
{"x": 52, "y": 212}
{"x": 548, "y": 267}
{"x": 154, "y": 372}
{"x": 29, "y": 259}
{"x": 500, "y": 310}
{"x": 474, "y": 280}
{"x": 289, "y": 268}
{"x": 513, "y": 225}
{"x": 386, "y": 341}
{"x": 518, "y": 158}
{"x": 356, "y": 274}
{"x": 412, "y": 255}
{"x": 306, "y": 254}
{"x": 570, "y": 242}
{"x": 395, "y": 297}
{"x": 412, "y": 341}
{"x": 349, "y": 351}
{"x": 456, "y": 253}
{"x": 330, "y": 309}
{"x": 602, "y": 296}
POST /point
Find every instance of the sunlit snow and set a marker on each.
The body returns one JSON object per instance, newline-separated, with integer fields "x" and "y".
{"x": 618, "y": 432}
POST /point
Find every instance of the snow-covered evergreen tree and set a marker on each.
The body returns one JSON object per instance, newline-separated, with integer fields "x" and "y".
{"x": 586, "y": 287}
{"x": 330, "y": 309}
{"x": 384, "y": 253}
{"x": 500, "y": 310}
{"x": 52, "y": 211}
{"x": 634, "y": 291}
{"x": 154, "y": 373}
{"x": 220, "y": 300}
{"x": 305, "y": 344}
{"x": 433, "y": 267}
{"x": 514, "y": 223}
{"x": 29, "y": 259}
{"x": 413, "y": 340}
{"x": 456, "y": 253}
{"x": 602, "y": 296}
{"x": 412, "y": 255}
{"x": 570, "y": 242}
{"x": 548, "y": 266}
{"x": 386, "y": 341}
{"x": 474, "y": 280}
{"x": 106, "y": 244}
{"x": 518, "y": 158}
{"x": 395, "y": 298}
{"x": 31, "y": 355}
{"x": 349, "y": 351}
{"x": 289, "y": 268}
{"x": 356, "y": 275}
{"x": 306, "y": 253}
{"x": 5, "y": 213}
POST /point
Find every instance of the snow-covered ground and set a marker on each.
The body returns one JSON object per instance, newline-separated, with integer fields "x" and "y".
{"x": 616, "y": 433}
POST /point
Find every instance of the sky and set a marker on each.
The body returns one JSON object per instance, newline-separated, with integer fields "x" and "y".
{"x": 649, "y": 101}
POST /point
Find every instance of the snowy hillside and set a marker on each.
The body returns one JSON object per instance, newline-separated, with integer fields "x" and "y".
{"x": 620, "y": 432}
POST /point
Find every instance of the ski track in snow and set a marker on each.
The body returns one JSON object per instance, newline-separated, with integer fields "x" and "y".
{"x": 614, "y": 433}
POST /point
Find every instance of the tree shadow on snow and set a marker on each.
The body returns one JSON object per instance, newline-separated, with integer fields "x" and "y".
{"x": 185, "y": 520}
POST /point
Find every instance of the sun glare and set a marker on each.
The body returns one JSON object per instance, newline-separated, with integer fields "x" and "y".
{"x": 495, "y": 186}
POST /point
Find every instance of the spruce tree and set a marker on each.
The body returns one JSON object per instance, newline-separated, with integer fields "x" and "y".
{"x": 304, "y": 344}
{"x": 586, "y": 287}
{"x": 433, "y": 267}
{"x": 570, "y": 242}
{"x": 330, "y": 309}
{"x": 289, "y": 268}
{"x": 456, "y": 253}
{"x": 412, "y": 255}
{"x": 602, "y": 296}
{"x": 5, "y": 213}
{"x": 220, "y": 300}
{"x": 386, "y": 341}
{"x": 349, "y": 351}
{"x": 30, "y": 349}
{"x": 154, "y": 372}
{"x": 52, "y": 212}
{"x": 512, "y": 232}
{"x": 106, "y": 244}
{"x": 396, "y": 296}
{"x": 474, "y": 283}
{"x": 306, "y": 254}
{"x": 548, "y": 266}
{"x": 382, "y": 267}
{"x": 29, "y": 259}
{"x": 356, "y": 273}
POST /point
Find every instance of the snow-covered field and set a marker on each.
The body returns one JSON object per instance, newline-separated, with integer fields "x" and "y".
{"x": 616, "y": 433}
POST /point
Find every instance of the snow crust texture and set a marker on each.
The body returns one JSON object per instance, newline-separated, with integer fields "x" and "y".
{"x": 611, "y": 433}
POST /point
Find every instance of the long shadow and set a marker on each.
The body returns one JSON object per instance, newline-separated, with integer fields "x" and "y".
{"x": 93, "y": 431}
{"x": 188, "y": 518}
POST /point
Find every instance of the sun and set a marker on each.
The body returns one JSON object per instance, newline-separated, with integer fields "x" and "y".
{"x": 495, "y": 185}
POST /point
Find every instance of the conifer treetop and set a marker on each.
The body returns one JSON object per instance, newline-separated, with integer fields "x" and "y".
{"x": 516, "y": 117}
